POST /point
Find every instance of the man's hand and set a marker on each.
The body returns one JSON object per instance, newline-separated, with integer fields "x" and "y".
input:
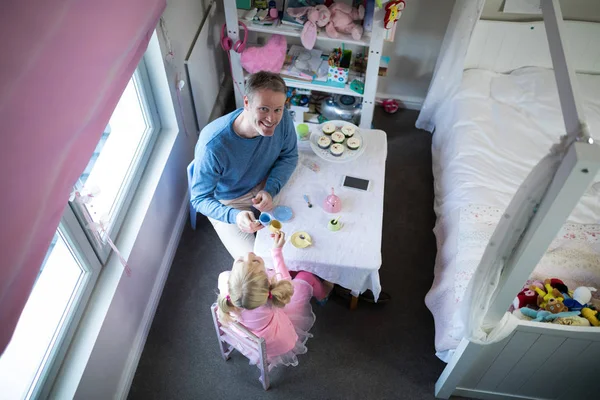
{"x": 247, "y": 223}
{"x": 278, "y": 239}
{"x": 263, "y": 201}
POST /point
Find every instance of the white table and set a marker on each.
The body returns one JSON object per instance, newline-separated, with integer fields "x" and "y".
{"x": 350, "y": 257}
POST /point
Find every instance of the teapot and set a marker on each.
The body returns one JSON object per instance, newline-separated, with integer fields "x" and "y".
{"x": 332, "y": 204}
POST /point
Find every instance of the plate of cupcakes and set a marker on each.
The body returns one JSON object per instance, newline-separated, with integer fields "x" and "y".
{"x": 337, "y": 141}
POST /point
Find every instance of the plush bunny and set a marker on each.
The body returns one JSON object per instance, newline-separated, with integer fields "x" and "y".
{"x": 338, "y": 18}
{"x": 316, "y": 17}
{"x": 342, "y": 20}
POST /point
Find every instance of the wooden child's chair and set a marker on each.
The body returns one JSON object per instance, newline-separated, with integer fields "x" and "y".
{"x": 236, "y": 336}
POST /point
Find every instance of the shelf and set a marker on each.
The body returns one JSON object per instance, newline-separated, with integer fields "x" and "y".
{"x": 293, "y": 31}
{"x": 321, "y": 88}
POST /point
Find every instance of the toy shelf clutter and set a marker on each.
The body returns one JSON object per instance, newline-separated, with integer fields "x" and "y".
{"x": 371, "y": 41}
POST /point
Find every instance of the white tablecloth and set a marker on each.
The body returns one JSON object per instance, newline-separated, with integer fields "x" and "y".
{"x": 350, "y": 257}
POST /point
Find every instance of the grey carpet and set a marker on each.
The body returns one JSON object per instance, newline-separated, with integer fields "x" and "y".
{"x": 375, "y": 352}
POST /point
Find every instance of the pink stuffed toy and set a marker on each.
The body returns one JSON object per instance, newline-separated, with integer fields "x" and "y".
{"x": 269, "y": 57}
{"x": 342, "y": 20}
{"x": 317, "y": 17}
{"x": 338, "y": 18}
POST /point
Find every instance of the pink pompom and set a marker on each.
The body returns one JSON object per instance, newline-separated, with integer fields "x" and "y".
{"x": 270, "y": 57}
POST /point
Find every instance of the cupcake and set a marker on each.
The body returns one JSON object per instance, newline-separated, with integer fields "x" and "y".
{"x": 348, "y": 130}
{"x": 337, "y": 149}
{"x": 353, "y": 143}
{"x": 324, "y": 142}
{"x": 328, "y": 128}
{"x": 338, "y": 137}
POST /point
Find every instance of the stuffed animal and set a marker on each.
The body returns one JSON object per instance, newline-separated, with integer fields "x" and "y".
{"x": 342, "y": 20}
{"x": 393, "y": 10}
{"x": 579, "y": 298}
{"x": 555, "y": 306}
{"x": 590, "y": 315}
{"x": 573, "y": 321}
{"x": 558, "y": 284}
{"x": 338, "y": 18}
{"x": 526, "y": 297}
{"x": 316, "y": 17}
{"x": 544, "y": 296}
{"x": 544, "y": 316}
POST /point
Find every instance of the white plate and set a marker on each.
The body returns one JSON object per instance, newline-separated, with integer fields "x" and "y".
{"x": 325, "y": 154}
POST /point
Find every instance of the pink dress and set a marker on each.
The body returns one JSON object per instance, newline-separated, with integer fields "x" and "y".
{"x": 286, "y": 329}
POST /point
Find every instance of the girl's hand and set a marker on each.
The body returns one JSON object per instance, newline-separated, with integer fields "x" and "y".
{"x": 278, "y": 239}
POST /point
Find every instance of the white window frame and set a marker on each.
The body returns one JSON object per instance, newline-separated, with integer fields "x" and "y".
{"x": 74, "y": 236}
{"x": 129, "y": 187}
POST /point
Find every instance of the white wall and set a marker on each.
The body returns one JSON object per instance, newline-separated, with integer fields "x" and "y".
{"x": 414, "y": 51}
{"x": 111, "y": 365}
{"x": 577, "y": 10}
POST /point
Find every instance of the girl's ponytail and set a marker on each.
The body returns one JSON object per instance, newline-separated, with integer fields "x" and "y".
{"x": 281, "y": 292}
{"x": 225, "y": 307}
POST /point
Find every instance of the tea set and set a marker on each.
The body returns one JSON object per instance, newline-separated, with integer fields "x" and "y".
{"x": 273, "y": 220}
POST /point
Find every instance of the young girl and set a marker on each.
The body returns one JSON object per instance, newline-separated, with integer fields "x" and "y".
{"x": 271, "y": 305}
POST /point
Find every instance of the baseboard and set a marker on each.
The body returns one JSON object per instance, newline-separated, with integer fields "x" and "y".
{"x": 159, "y": 284}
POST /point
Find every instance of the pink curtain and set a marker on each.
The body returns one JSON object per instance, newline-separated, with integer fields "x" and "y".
{"x": 63, "y": 67}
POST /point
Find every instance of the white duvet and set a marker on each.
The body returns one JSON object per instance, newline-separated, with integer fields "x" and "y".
{"x": 489, "y": 137}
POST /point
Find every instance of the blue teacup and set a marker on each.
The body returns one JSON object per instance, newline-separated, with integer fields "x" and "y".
{"x": 265, "y": 218}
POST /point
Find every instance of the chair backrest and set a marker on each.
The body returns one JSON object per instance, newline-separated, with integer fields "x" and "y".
{"x": 240, "y": 338}
{"x": 190, "y": 176}
{"x": 190, "y": 173}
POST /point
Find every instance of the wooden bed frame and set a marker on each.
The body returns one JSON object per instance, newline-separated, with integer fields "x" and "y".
{"x": 537, "y": 361}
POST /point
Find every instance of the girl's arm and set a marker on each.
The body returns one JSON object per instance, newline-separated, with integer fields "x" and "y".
{"x": 280, "y": 268}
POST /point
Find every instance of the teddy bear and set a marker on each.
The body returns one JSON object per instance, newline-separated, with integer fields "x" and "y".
{"x": 555, "y": 306}
{"x": 544, "y": 296}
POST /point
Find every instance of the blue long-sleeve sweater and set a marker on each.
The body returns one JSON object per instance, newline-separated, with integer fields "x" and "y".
{"x": 227, "y": 166}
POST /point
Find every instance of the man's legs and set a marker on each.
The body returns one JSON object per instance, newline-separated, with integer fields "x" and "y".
{"x": 236, "y": 242}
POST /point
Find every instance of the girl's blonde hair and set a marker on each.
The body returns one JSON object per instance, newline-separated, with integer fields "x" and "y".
{"x": 249, "y": 288}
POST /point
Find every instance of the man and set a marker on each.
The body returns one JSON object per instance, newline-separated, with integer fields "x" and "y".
{"x": 242, "y": 160}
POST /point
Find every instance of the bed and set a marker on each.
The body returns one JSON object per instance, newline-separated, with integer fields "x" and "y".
{"x": 489, "y": 134}
{"x": 495, "y": 130}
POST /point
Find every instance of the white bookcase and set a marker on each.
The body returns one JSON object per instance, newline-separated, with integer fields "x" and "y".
{"x": 371, "y": 40}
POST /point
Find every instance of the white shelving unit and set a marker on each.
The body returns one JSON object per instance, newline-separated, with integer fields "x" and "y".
{"x": 373, "y": 40}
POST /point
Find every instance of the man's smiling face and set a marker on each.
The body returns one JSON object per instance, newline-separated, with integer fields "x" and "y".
{"x": 265, "y": 108}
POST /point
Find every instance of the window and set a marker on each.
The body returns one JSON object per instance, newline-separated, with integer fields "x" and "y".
{"x": 62, "y": 288}
{"x": 76, "y": 254}
{"x": 108, "y": 182}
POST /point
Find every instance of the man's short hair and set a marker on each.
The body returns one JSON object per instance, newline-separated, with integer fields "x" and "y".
{"x": 264, "y": 80}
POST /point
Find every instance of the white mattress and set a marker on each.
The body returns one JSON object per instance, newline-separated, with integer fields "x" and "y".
{"x": 489, "y": 137}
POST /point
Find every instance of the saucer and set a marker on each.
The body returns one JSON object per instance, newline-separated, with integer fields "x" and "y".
{"x": 301, "y": 243}
{"x": 282, "y": 213}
